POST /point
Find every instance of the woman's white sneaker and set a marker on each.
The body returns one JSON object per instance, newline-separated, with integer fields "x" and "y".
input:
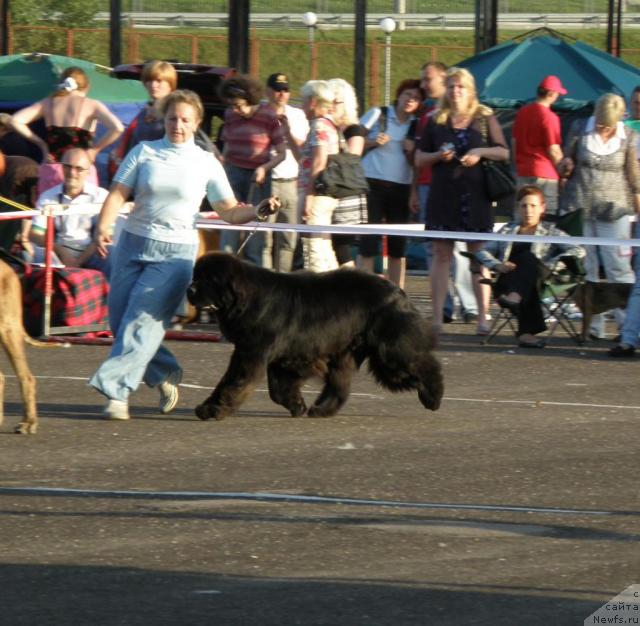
{"x": 116, "y": 410}
{"x": 169, "y": 393}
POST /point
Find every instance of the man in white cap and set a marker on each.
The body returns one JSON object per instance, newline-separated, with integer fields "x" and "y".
{"x": 536, "y": 142}
{"x": 279, "y": 247}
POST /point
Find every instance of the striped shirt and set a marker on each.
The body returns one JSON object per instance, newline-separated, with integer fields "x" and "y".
{"x": 249, "y": 140}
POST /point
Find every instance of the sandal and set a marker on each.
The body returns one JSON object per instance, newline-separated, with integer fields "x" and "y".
{"x": 482, "y": 330}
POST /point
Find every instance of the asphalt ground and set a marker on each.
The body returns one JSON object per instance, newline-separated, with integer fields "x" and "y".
{"x": 515, "y": 503}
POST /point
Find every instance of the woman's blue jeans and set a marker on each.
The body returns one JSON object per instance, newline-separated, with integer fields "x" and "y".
{"x": 149, "y": 279}
{"x": 631, "y": 327}
{"x": 240, "y": 180}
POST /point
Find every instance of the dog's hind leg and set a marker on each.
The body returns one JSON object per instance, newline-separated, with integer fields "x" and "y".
{"x": 337, "y": 386}
{"x": 405, "y": 362}
{"x": 13, "y": 341}
{"x": 284, "y": 388}
{"x": 244, "y": 370}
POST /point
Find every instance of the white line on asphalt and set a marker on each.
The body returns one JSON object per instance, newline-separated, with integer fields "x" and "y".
{"x": 448, "y": 399}
{"x": 544, "y": 402}
{"x": 288, "y": 498}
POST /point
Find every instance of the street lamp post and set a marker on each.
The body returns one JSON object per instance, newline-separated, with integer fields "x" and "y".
{"x": 310, "y": 19}
{"x": 388, "y": 25}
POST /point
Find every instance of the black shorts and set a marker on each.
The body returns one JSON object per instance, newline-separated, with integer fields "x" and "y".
{"x": 387, "y": 203}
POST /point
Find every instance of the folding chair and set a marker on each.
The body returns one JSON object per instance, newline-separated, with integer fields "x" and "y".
{"x": 504, "y": 317}
{"x": 556, "y": 295}
{"x": 556, "y": 287}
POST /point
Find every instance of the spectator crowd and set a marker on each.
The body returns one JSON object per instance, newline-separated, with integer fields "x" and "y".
{"x": 425, "y": 157}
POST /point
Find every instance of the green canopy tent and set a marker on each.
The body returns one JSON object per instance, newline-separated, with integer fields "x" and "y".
{"x": 507, "y": 75}
{"x": 27, "y": 78}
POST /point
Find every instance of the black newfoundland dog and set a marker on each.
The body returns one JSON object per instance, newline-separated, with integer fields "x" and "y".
{"x": 299, "y": 325}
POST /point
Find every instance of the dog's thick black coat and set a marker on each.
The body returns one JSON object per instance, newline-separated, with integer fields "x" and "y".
{"x": 298, "y": 325}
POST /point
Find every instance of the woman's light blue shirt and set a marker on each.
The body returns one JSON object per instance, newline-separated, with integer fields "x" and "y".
{"x": 387, "y": 162}
{"x": 169, "y": 181}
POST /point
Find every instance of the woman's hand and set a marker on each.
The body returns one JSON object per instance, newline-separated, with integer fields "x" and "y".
{"x": 308, "y": 205}
{"x": 414, "y": 204}
{"x": 102, "y": 239}
{"x": 505, "y": 268}
{"x": 447, "y": 152}
{"x": 565, "y": 167}
{"x": 268, "y": 206}
{"x": 382, "y": 138}
{"x": 259, "y": 175}
{"x": 471, "y": 158}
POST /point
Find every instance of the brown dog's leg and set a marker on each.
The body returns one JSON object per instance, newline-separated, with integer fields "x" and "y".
{"x": 13, "y": 341}
{"x": 1, "y": 397}
{"x": 583, "y": 297}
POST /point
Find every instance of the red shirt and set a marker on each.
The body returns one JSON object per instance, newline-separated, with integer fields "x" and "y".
{"x": 248, "y": 140}
{"x": 535, "y": 129}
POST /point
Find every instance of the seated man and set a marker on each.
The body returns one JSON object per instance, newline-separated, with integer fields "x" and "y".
{"x": 73, "y": 243}
{"x": 518, "y": 264}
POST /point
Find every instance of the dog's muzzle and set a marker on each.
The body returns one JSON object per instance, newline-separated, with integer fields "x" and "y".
{"x": 192, "y": 296}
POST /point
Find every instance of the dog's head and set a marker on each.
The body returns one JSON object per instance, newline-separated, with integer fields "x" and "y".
{"x": 220, "y": 283}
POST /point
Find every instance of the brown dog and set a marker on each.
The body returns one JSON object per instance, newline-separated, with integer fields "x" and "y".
{"x": 13, "y": 338}
{"x": 593, "y": 298}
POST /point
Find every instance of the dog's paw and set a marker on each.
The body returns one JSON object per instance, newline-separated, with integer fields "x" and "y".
{"x": 318, "y": 411}
{"x": 428, "y": 401}
{"x": 298, "y": 409}
{"x": 209, "y": 411}
{"x": 26, "y": 428}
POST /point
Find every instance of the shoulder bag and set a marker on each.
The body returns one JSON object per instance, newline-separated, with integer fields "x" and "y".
{"x": 499, "y": 181}
{"x": 343, "y": 175}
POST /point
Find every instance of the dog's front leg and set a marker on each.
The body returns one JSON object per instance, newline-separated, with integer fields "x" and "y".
{"x": 284, "y": 388}
{"x": 14, "y": 345}
{"x": 244, "y": 370}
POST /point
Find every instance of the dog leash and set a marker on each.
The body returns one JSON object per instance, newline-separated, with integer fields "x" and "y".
{"x": 252, "y": 190}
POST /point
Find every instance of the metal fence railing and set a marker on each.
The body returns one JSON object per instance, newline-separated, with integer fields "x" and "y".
{"x": 301, "y": 60}
{"x": 292, "y": 7}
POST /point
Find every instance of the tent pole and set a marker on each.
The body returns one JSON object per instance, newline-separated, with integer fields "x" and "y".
{"x": 610, "y": 9}
{"x": 619, "y": 29}
{"x": 115, "y": 32}
{"x": 360, "y": 56}
{"x": 4, "y": 26}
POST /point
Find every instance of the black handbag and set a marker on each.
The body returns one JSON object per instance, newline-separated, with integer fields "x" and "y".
{"x": 343, "y": 176}
{"x": 499, "y": 180}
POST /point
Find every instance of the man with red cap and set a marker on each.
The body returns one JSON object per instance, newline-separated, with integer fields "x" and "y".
{"x": 536, "y": 142}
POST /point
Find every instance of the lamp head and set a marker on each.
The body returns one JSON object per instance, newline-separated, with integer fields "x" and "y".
{"x": 309, "y": 19}
{"x": 388, "y": 25}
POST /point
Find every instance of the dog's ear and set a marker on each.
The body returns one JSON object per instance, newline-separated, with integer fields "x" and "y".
{"x": 237, "y": 283}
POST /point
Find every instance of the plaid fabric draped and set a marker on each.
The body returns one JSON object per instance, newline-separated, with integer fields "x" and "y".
{"x": 79, "y": 298}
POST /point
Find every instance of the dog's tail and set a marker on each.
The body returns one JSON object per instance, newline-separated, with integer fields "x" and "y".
{"x": 400, "y": 357}
{"x": 42, "y": 344}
